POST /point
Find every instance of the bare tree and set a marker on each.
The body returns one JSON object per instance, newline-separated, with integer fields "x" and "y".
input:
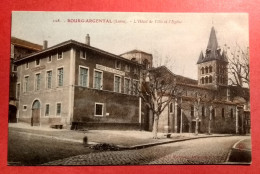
{"x": 238, "y": 66}
{"x": 158, "y": 89}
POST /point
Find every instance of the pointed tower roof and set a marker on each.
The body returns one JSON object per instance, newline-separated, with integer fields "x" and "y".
{"x": 213, "y": 43}
{"x": 201, "y": 57}
{"x": 213, "y": 52}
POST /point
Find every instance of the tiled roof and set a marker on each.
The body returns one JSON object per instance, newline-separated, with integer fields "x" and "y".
{"x": 26, "y": 44}
{"x": 213, "y": 51}
{"x": 73, "y": 42}
{"x": 135, "y": 51}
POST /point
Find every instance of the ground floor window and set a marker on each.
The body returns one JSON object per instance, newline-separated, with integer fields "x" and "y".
{"x": 58, "y": 109}
{"x": 47, "y": 109}
{"x": 99, "y": 107}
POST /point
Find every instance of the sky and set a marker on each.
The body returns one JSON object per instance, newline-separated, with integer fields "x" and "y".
{"x": 174, "y": 39}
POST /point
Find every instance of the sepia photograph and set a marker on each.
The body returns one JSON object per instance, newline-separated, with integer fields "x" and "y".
{"x": 129, "y": 88}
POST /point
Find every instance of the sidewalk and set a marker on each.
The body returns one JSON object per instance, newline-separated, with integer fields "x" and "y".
{"x": 124, "y": 139}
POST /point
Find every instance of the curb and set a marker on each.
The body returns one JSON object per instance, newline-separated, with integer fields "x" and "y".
{"x": 235, "y": 149}
{"x": 167, "y": 142}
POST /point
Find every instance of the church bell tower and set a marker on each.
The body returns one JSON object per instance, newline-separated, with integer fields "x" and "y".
{"x": 213, "y": 64}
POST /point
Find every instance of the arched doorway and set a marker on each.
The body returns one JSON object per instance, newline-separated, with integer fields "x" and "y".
{"x": 35, "y": 120}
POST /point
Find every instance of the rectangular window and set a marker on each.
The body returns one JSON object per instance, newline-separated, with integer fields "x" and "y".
{"x": 83, "y": 54}
{"x": 117, "y": 84}
{"x": 192, "y": 111}
{"x": 26, "y": 81}
{"x": 127, "y": 68}
{"x": 171, "y": 107}
{"x": 223, "y": 113}
{"x": 231, "y": 114}
{"x": 83, "y": 77}
{"x": 27, "y": 65}
{"x": 99, "y": 107}
{"x": 118, "y": 64}
{"x": 14, "y": 68}
{"x": 60, "y": 55}
{"x": 127, "y": 86}
{"x": 135, "y": 87}
{"x": 58, "y": 109}
{"x": 60, "y": 76}
{"x": 203, "y": 111}
{"x": 48, "y": 79}
{"x": 18, "y": 91}
{"x": 37, "y": 62}
{"x": 98, "y": 79}
{"x": 47, "y": 109}
{"x": 49, "y": 58}
{"x": 37, "y": 81}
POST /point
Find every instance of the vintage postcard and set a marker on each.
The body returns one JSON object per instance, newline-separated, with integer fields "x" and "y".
{"x": 96, "y": 88}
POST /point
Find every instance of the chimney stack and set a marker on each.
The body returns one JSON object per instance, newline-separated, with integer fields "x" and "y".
{"x": 87, "y": 40}
{"x": 45, "y": 44}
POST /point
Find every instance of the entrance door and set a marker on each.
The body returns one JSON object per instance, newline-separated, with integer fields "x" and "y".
{"x": 35, "y": 120}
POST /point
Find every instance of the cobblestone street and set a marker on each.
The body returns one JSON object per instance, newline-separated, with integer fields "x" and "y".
{"x": 199, "y": 151}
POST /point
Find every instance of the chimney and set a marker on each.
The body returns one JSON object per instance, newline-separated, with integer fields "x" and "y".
{"x": 45, "y": 44}
{"x": 87, "y": 40}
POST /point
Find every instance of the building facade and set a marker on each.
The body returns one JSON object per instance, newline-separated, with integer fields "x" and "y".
{"x": 19, "y": 48}
{"x": 76, "y": 84}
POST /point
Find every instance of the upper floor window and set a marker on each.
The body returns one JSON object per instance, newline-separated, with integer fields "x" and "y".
{"x": 206, "y": 80}
{"x": 37, "y": 62}
{"x": 60, "y": 54}
{"x": 192, "y": 111}
{"x": 127, "y": 89}
{"x": 83, "y": 76}
{"x": 26, "y": 84}
{"x": 83, "y": 54}
{"x": 48, "y": 79}
{"x": 202, "y": 70}
{"x": 60, "y": 76}
{"x": 206, "y": 69}
{"x": 18, "y": 90}
{"x": 135, "y": 87}
{"x": 118, "y": 64}
{"x": 49, "y": 58}
{"x": 98, "y": 79}
{"x": 210, "y": 69}
{"x": 117, "y": 84}
{"x": 202, "y": 80}
{"x": 127, "y": 68}
{"x": 14, "y": 68}
{"x": 37, "y": 81}
{"x": 210, "y": 79}
{"x": 223, "y": 113}
{"x": 27, "y": 65}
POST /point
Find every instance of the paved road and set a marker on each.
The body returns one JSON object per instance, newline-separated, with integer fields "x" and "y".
{"x": 199, "y": 151}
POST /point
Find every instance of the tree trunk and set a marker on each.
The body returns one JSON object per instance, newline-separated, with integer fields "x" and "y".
{"x": 197, "y": 126}
{"x": 155, "y": 126}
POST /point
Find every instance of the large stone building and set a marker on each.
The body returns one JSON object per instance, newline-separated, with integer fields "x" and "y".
{"x": 75, "y": 84}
